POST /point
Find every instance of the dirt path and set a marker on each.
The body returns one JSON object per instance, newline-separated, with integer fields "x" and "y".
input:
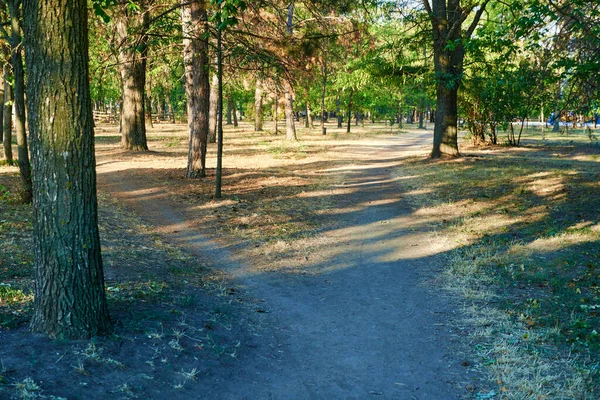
{"x": 366, "y": 322}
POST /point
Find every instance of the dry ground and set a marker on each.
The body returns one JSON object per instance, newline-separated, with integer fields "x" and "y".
{"x": 518, "y": 229}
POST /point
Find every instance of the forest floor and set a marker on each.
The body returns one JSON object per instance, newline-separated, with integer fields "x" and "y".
{"x": 341, "y": 266}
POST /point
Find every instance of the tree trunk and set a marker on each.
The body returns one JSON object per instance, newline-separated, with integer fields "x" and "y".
{"x": 338, "y": 111}
{"x": 448, "y": 67}
{"x": 258, "y": 107}
{"x": 19, "y": 95}
{"x": 349, "y": 112}
{"x": 148, "y": 101}
{"x": 148, "y": 108}
{"x": 422, "y": 115}
{"x": 275, "y": 111}
{"x": 235, "y": 118}
{"x": 70, "y": 301}
{"x": 446, "y": 18}
{"x": 290, "y": 123}
{"x": 197, "y": 86}
{"x": 219, "y": 170}
{"x": 2, "y": 106}
{"x": 445, "y": 139}
{"x": 229, "y": 110}
{"x": 309, "y": 120}
{"x": 171, "y": 109}
{"x": 212, "y": 115}
{"x": 556, "y": 122}
{"x": 323, "y": 93}
{"x": 7, "y": 122}
{"x": 132, "y": 68}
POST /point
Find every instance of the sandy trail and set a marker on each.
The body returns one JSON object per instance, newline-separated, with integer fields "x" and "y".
{"x": 367, "y": 322}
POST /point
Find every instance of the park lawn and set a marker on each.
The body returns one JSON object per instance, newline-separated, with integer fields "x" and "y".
{"x": 524, "y": 226}
{"x": 521, "y": 226}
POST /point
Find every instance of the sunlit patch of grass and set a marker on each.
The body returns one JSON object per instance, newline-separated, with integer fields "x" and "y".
{"x": 287, "y": 149}
{"x": 520, "y": 230}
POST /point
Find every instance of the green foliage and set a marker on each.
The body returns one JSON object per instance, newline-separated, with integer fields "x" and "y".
{"x": 226, "y": 13}
{"x": 100, "y": 7}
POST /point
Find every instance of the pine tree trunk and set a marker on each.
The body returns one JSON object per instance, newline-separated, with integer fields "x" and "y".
{"x": 197, "y": 86}
{"x": 258, "y": 107}
{"x": 148, "y": 101}
{"x": 219, "y": 169}
{"x": 132, "y": 68}
{"x": 235, "y": 118}
{"x": 229, "y": 110}
{"x": 70, "y": 301}
{"x": 7, "y": 121}
{"x": 212, "y": 115}
{"x": 290, "y": 123}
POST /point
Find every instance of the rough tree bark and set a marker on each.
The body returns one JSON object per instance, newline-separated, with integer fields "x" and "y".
{"x": 70, "y": 301}
{"x": 447, "y": 17}
{"x": 132, "y": 68}
{"x": 197, "y": 86}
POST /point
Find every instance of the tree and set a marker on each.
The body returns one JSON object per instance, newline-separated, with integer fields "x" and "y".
{"x": 132, "y": 67}
{"x": 14, "y": 7}
{"x": 447, "y": 18}
{"x": 70, "y": 301}
{"x": 224, "y": 17}
{"x": 258, "y": 106}
{"x": 195, "y": 55}
{"x": 7, "y": 114}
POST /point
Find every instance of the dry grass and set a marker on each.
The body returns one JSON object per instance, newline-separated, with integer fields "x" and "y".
{"x": 521, "y": 229}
